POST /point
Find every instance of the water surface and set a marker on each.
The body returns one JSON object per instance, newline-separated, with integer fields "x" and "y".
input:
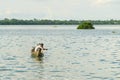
{"x": 72, "y": 54}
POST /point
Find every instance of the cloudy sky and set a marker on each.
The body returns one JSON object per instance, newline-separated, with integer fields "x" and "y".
{"x": 60, "y": 9}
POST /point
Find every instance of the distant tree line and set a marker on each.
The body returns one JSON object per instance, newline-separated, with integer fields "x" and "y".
{"x": 7, "y": 21}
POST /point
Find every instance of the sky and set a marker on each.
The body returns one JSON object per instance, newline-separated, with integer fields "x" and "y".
{"x": 60, "y": 9}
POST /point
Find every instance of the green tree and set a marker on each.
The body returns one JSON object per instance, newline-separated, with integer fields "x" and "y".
{"x": 85, "y": 25}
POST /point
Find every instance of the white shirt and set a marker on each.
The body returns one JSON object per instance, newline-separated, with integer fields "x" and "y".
{"x": 37, "y": 47}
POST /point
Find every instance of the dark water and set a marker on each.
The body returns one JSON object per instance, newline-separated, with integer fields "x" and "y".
{"x": 72, "y": 54}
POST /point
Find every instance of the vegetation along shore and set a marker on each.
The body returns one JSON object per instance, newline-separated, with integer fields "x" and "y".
{"x": 7, "y": 21}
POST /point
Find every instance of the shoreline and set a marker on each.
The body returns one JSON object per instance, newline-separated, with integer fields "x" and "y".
{"x": 7, "y": 21}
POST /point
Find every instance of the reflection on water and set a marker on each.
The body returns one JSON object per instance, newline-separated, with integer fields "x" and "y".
{"x": 71, "y": 55}
{"x": 39, "y": 59}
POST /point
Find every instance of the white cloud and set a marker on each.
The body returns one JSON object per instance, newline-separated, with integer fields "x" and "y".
{"x": 100, "y": 2}
{"x": 104, "y": 2}
{"x": 59, "y": 9}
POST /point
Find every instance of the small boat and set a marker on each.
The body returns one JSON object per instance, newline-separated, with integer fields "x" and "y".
{"x": 37, "y": 53}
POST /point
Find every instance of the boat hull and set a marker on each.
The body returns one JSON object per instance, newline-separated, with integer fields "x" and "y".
{"x": 37, "y": 53}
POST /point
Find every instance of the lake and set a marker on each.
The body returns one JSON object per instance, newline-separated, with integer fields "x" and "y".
{"x": 72, "y": 54}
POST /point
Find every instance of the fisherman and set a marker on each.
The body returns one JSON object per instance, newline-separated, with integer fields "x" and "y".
{"x": 41, "y": 46}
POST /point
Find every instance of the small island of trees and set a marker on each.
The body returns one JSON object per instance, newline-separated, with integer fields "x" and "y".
{"x": 86, "y": 25}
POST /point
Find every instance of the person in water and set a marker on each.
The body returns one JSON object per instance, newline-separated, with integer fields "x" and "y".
{"x": 41, "y": 46}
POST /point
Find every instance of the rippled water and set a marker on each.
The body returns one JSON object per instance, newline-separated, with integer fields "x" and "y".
{"x": 72, "y": 54}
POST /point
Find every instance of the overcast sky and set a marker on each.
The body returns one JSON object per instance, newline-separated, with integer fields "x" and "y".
{"x": 60, "y": 9}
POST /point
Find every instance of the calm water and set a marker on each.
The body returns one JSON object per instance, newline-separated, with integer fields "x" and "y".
{"x": 72, "y": 54}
